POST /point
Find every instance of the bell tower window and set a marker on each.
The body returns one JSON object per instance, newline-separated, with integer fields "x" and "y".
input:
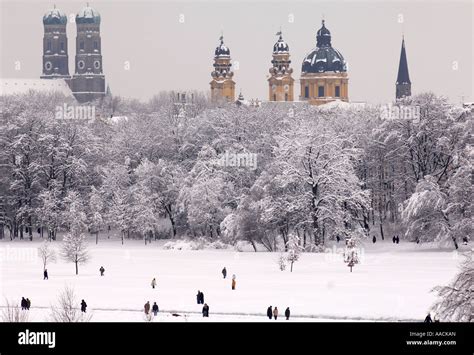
{"x": 81, "y": 45}
{"x": 338, "y": 91}
{"x": 306, "y": 92}
{"x": 48, "y": 45}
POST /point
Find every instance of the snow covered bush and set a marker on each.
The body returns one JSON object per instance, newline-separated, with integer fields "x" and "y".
{"x": 456, "y": 301}
{"x": 67, "y": 309}
{"x": 12, "y": 313}
{"x": 282, "y": 262}
{"x": 294, "y": 250}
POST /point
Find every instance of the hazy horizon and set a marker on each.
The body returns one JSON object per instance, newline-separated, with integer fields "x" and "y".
{"x": 166, "y": 53}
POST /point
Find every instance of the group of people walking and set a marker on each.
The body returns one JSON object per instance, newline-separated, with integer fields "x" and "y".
{"x": 154, "y": 308}
{"x": 25, "y": 303}
{"x": 396, "y": 239}
{"x": 274, "y": 313}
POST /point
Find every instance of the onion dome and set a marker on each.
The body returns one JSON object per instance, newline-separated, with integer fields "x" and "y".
{"x": 54, "y": 17}
{"x": 281, "y": 46}
{"x": 222, "y": 50}
{"x": 88, "y": 15}
{"x": 324, "y": 58}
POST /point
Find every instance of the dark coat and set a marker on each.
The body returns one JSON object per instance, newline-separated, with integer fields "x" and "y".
{"x": 205, "y": 311}
{"x": 269, "y": 312}
{"x": 83, "y": 306}
{"x": 155, "y": 308}
{"x": 287, "y": 312}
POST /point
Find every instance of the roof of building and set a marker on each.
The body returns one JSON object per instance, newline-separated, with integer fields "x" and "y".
{"x": 280, "y": 46}
{"x": 403, "y": 77}
{"x": 324, "y": 58}
{"x": 88, "y": 15}
{"x": 54, "y": 17}
{"x": 222, "y": 50}
{"x": 22, "y": 86}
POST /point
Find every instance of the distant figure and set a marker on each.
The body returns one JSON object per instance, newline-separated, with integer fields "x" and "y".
{"x": 205, "y": 310}
{"x": 147, "y": 307}
{"x": 155, "y": 309}
{"x": 269, "y": 312}
{"x": 83, "y": 306}
{"x": 28, "y": 304}
{"x": 287, "y": 313}
{"x": 153, "y": 283}
{"x": 233, "y": 282}
{"x": 102, "y": 270}
{"x": 428, "y": 319}
{"x": 337, "y": 238}
{"x": 374, "y": 239}
{"x": 275, "y": 313}
{"x": 200, "y": 297}
{"x": 45, "y": 274}
{"x": 394, "y": 240}
{"x": 224, "y": 272}
{"x": 398, "y": 239}
{"x": 23, "y": 303}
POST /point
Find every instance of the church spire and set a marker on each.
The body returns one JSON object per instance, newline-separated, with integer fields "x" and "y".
{"x": 403, "y": 85}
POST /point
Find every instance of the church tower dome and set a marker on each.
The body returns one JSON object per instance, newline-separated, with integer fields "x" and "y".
{"x": 280, "y": 82}
{"x": 324, "y": 72}
{"x": 222, "y": 85}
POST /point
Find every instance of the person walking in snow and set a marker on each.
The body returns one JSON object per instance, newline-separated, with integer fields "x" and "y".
{"x": 287, "y": 313}
{"x": 28, "y": 304}
{"x": 269, "y": 312}
{"x": 394, "y": 240}
{"x": 398, "y": 239}
{"x": 428, "y": 319}
{"x": 233, "y": 282}
{"x": 205, "y": 310}
{"x": 147, "y": 307}
{"x": 275, "y": 312}
{"x": 374, "y": 239}
{"x": 83, "y": 306}
{"x": 198, "y": 297}
{"x": 23, "y": 303}
{"x": 102, "y": 270}
{"x": 153, "y": 283}
{"x": 224, "y": 272}
{"x": 155, "y": 309}
{"x": 45, "y": 274}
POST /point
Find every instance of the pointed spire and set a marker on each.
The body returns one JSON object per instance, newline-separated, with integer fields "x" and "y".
{"x": 403, "y": 84}
{"x": 403, "y": 77}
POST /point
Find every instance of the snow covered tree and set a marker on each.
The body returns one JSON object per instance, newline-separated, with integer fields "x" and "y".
{"x": 456, "y": 300}
{"x": 294, "y": 250}
{"x": 46, "y": 253}
{"x": 49, "y": 210}
{"x": 424, "y": 213}
{"x": 282, "y": 259}
{"x": 74, "y": 215}
{"x": 351, "y": 256}
{"x": 74, "y": 249}
{"x": 12, "y": 313}
{"x": 96, "y": 207}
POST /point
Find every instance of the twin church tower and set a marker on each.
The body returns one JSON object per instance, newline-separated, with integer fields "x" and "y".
{"x": 88, "y": 81}
{"x": 323, "y": 73}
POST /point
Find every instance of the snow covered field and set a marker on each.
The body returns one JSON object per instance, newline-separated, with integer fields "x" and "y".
{"x": 392, "y": 283}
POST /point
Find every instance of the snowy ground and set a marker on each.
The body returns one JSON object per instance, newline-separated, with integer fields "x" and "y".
{"x": 392, "y": 283}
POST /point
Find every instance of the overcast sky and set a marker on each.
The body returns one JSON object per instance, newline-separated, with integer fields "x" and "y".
{"x": 167, "y": 51}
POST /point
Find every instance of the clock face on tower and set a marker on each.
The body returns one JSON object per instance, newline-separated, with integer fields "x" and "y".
{"x": 48, "y": 65}
{"x": 81, "y": 64}
{"x": 97, "y": 64}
